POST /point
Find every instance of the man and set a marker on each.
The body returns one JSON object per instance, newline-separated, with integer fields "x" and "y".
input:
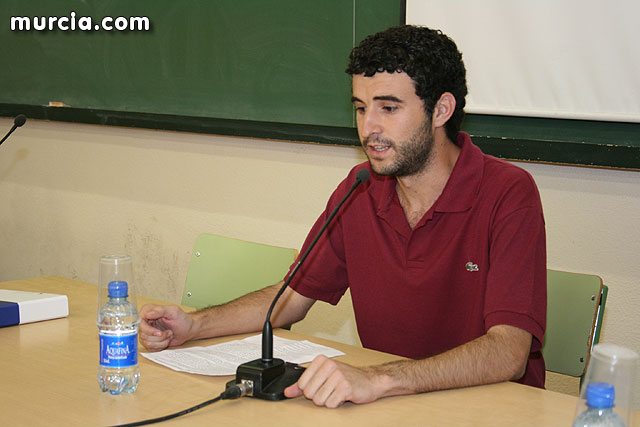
{"x": 443, "y": 248}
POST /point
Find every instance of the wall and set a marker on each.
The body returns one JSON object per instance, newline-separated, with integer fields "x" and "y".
{"x": 71, "y": 193}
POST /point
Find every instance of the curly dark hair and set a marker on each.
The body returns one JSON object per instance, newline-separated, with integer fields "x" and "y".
{"x": 429, "y": 57}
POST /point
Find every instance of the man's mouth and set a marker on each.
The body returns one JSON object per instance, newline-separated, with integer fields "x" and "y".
{"x": 379, "y": 147}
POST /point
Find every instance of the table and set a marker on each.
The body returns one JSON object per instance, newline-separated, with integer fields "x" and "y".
{"x": 49, "y": 369}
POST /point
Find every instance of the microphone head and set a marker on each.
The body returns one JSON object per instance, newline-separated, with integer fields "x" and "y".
{"x": 362, "y": 176}
{"x": 20, "y": 120}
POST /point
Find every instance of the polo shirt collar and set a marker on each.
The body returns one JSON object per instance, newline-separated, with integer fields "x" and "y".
{"x": 464, "y": 183}
{"x": 459, "y": 192}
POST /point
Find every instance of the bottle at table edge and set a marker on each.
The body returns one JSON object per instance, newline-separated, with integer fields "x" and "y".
{"x": 599, "y": 412}
{"x": 118, "y": 324}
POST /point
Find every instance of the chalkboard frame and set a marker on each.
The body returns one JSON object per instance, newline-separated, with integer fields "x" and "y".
{"x": 557, "y": 141}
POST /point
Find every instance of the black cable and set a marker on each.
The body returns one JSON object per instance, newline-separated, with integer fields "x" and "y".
{"x": 231, "y": 393}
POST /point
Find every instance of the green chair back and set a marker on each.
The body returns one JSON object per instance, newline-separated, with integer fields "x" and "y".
{"x": 575, "y": 307}
{"x": 222, "y": 269}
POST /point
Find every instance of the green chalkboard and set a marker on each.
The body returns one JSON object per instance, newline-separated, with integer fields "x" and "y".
{"x": 258, "y": 68}
{"x": 279, "y": 61}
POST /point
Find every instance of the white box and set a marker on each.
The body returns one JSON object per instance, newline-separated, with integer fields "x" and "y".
{"x": 18, "y": 307}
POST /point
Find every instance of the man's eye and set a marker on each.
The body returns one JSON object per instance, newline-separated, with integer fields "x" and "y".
{"x": 389, "y": 108}
{"x": 360, "y": 110}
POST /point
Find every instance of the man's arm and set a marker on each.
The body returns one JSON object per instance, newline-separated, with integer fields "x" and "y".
{"x": 499, "y": 355}
{"x": 164, "y": 326}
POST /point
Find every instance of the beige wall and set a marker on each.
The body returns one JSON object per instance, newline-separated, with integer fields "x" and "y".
{"x": 70, "y": 193}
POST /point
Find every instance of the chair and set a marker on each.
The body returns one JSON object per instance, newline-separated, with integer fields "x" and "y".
{"x": 575, "y": 307}
{"x": 222, "y": 269}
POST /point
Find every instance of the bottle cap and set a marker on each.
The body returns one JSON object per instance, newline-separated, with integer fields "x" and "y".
{"x": 118, "y": 289}
{"x": 600, "y": 395}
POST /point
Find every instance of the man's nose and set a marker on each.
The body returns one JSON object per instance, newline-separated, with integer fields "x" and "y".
{"x": 369, "y": 126}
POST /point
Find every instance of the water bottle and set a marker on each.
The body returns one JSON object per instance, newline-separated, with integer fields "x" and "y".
{"x": 118, "y": 329}
{"x": 600, "y": 398}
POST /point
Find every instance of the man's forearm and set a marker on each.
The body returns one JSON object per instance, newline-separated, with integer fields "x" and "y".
{"x": 499, "y": 355}
{"x": 248, "y": 313}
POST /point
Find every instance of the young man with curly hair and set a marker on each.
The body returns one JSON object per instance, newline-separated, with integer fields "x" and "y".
{"x": 443, "y": 248}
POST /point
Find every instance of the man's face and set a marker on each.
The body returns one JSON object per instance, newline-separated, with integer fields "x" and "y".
{"x": 394, "y": 130}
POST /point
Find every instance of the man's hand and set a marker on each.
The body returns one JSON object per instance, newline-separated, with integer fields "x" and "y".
{"x": 162, "y": 326}
{"x": 330, "y": 383}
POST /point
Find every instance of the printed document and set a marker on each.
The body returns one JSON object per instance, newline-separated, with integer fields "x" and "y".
{"x": 223, "y": 359}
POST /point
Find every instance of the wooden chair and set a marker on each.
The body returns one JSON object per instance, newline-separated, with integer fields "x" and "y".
{"x": 575, "y": 307}
{"x": 222, "y": 269}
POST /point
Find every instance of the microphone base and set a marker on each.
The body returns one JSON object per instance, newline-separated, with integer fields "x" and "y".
{"x": 269, "y": 379}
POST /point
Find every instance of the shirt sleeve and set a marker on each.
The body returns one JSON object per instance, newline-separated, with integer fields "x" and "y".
{"x": 323, "y": 275}
{"x": 517, "y": 280}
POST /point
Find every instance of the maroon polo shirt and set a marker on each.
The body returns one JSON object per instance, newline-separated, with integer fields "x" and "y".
{"x": 476, "y": 259}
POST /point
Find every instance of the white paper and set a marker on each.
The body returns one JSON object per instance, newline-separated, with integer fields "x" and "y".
{"x": 223, "y": 359}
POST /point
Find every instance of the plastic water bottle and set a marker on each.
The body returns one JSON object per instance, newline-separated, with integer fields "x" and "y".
{"x": 600, "y": 398}
{"x": 118, "y": 329}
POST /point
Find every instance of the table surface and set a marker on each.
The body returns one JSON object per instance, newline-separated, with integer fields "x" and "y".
{"x": 49, "y": 368}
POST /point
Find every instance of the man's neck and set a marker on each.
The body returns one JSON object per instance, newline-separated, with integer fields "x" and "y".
{"x": 418, "y": 193}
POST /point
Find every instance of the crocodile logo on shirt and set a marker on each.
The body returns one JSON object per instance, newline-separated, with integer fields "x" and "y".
{"x": 471, "y": 266}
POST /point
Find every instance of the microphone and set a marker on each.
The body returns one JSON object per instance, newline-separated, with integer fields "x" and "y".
{"x": 17, "y": 122}
{"x": 266, "y": 378}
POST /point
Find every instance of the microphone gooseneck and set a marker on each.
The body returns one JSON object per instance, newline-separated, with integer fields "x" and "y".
{"x": 268, "y": 377}
{"x": 267, "y": 331}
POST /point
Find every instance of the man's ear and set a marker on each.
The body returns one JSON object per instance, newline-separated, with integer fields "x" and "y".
{"x": 443, "y": 109}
